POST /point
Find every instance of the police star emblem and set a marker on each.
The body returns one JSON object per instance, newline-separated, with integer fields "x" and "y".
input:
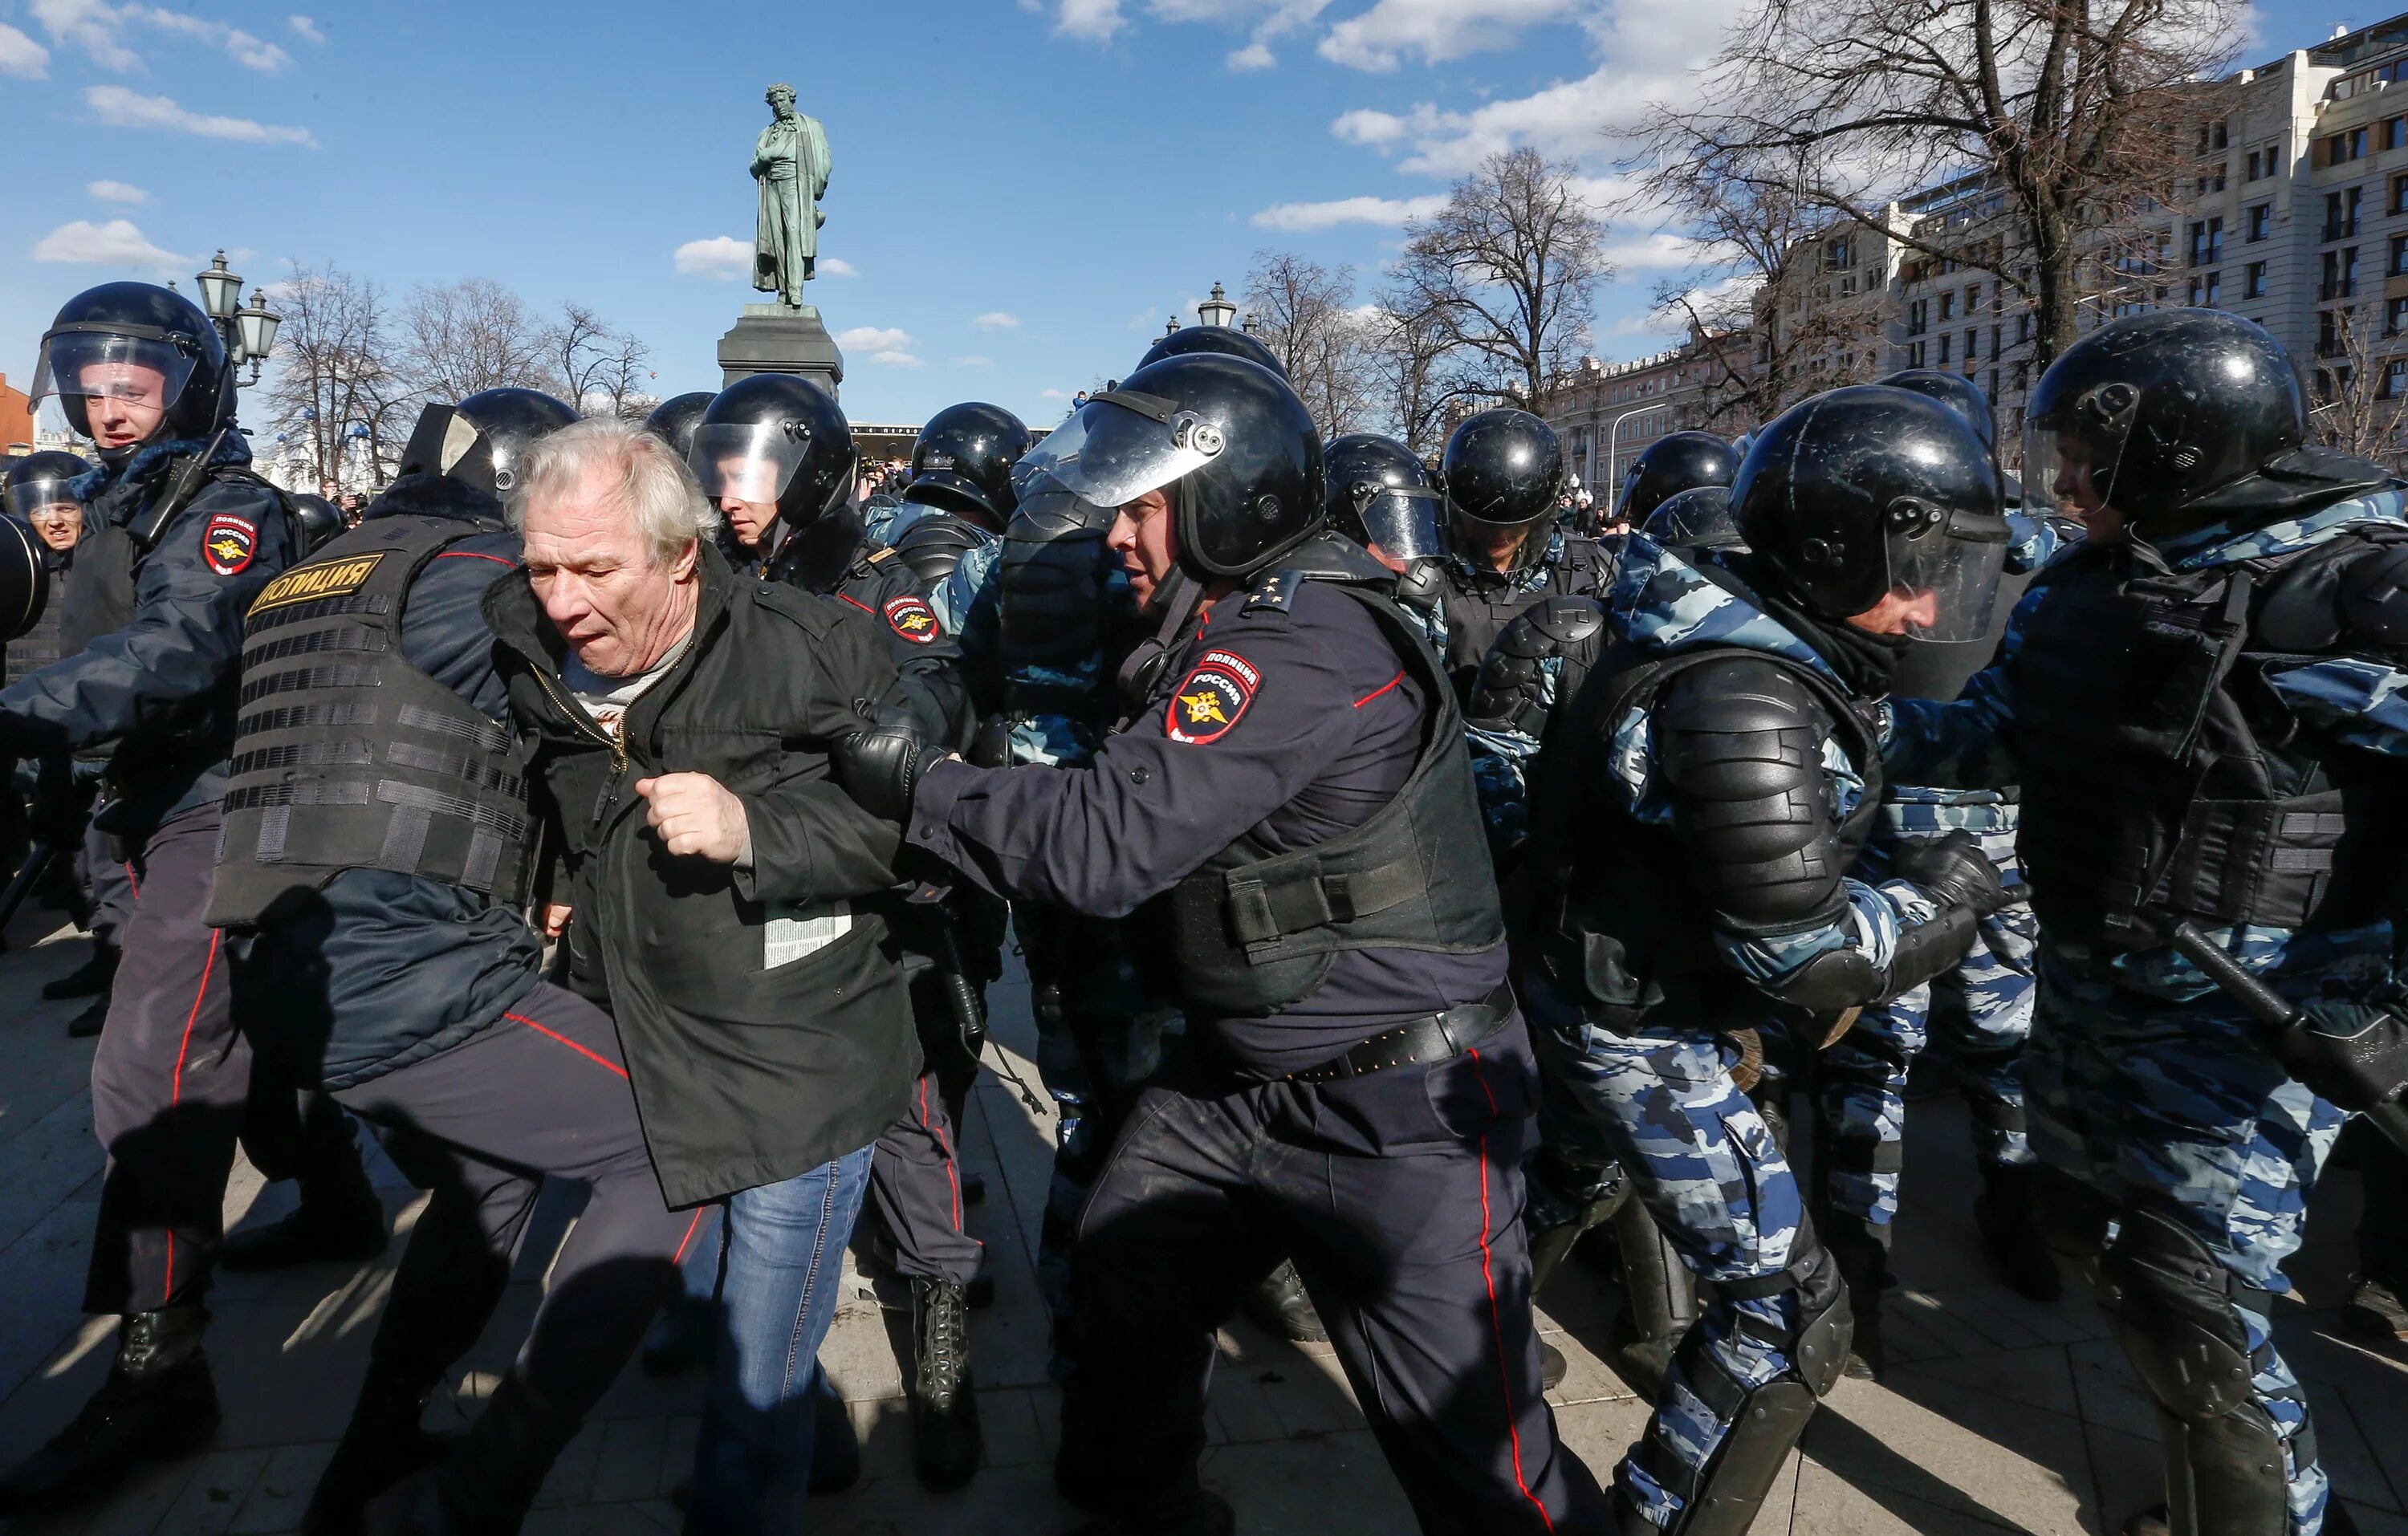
{"x": 914, "y": 620}
{"x": 1213, "y": 698}
{"x": 229, "y": 542}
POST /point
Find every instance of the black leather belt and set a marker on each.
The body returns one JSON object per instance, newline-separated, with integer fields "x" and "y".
{"x": 1438, "y": 1037}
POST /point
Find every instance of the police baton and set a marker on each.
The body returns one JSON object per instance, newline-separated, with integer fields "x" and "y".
{"x": 2270, "y": 1009}
{"x": 961, "y": 997}
{"x": 38, "y": 861}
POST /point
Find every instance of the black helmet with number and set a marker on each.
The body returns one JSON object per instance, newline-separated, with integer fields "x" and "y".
{"x": 136, "y": 341}
{"x": 482, "y": 441}
{"x": 316, "y": 519}
{"x": 1698, "y": 518}
{"x": 963, "y": 459}
{"x": 41, "y": 479}
{"x": 2177, "y": 419}
{"x": 1380, "y": 493}
{"x": 1504, "y": 469}
{"x": 775, "y": 438}
{"x": 24, "y": 578}
{"x": 1228, "y": 441}
{"x": 1223, "y": 340}
{"x": 1867, "y": 491}
{"x": 674, "y": 418}
{"x": 1673, "y": 463}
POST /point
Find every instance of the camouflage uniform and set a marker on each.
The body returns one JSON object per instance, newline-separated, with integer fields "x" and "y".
{"x": 2148, "y": 1084}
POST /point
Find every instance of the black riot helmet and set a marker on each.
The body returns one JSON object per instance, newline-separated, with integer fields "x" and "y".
{"x": 775, "y": 438}
{"x": 41, "y": 479}
{"x": 136, "y": 341}
{"x": 961, "y": 461}
{"x": 1230, "y": 443}
{"x": 2175, "y": 419}
{"x": 1954, "y": 391}
{"x": 1867, "y": 489}
{"x": 317, "y": 520}
{"x": 482, "y": 441}
{"x": 674, "y": 418}
{"x": 1225, "y": 341}
{"x": 1698, "y": 518}
{"x": 1380, "y": 494}
{"x": 24, "y": 578}
{"x": 1503, "y": 469}
{"x": 1674, "y": 463}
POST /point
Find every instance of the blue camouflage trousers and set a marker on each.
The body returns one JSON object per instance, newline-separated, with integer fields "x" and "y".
{"x": 2177, "y": 1107}
{"x": 1705, "y": 1164}
{"x": 1977, "y": 1015}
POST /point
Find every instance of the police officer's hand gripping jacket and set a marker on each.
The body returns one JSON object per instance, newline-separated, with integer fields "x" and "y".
{"x": 881, "y": 766}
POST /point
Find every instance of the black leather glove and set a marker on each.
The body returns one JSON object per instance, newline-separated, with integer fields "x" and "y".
{"x": 1954, "y": 870}
{"x": 879, "y": 766}
{"x": 2351, "y": 1054}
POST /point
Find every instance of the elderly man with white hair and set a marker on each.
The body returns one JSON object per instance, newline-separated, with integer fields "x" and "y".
{"x": 676, "y": 720}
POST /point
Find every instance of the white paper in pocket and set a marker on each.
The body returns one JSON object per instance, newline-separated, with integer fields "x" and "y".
{"x": 796, "y": 933}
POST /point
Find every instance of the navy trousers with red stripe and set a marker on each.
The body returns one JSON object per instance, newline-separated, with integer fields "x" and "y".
{"x": 170, "y": 1083}
{"x": 1399, "y": 1197}
{"x": 915, "y": 1177}
{"x": 540, "y": 1093}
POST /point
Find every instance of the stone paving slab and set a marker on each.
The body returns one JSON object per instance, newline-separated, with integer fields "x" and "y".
{"x": 1999, "y": 1414}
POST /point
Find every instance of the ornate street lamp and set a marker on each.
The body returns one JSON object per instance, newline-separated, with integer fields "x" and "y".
{"x": 255, "y": 326}
{"x": 1216, "y": 310}
{"x": 1170, "y": 326}
{"x": 220, "y": 290}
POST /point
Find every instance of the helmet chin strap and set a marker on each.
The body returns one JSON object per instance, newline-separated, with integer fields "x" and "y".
{"x": 1176, "y": 602}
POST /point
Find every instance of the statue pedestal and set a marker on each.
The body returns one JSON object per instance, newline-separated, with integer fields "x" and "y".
{"x": 780, "y": 339}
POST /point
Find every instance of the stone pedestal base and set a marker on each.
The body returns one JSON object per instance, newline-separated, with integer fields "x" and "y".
{"x": 780, "y": 339}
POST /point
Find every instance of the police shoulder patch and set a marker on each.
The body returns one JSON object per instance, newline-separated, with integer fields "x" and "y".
{"x": 1213, "y": 700}
{"x": 229, "y": 542}
{"x": 337, "y": 578}
{"x": 914, "y": 620}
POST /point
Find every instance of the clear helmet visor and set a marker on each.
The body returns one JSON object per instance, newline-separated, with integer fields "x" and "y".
{"x": 1401, "y": 522}
{"x": 1945, "y": 567}
{"x": 101, "y": 365}
{"x": 1698, "y": 518}
{"x": 745, "y": 461}
{"x": 2068, "y": 471}
{"x": 1123, "y": 444}
{"x": 1479, "y": 541}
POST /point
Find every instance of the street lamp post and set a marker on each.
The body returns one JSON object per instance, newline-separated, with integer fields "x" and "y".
{"x": 1216, "y": 310}
{"x": 1614, "y": 439}
{"x": 248, "y": 329}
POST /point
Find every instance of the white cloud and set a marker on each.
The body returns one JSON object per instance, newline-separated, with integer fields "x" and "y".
{"x": 873, "y": 339}
{"x": 996, "y": 319}
{"x": 836, "y": 266}
{"x": 1055, "y": 394}
{"x": 248, "y": 51}
{"x": 305, "y": 29}
{"x": 721, "y": 256}
{"x": 104, "y": 31}
{"x": 89, "y": 25}
{"x": 116, "y": 243}
{"x": 1254, "y": 55}
{"x": 116, "y": 192}
{"x": 974, "y": 360}
{"x": 895, "y": 359}
{"x": 1437, "y": 30}
{"x": 1094, "y": 20}
{"x": 1659, "y": 250}
{"x": 1364, "y": 125}
{"x": 20, "y": 56}
{"x": 1390, "y": 211}
{"x": 121, "y": 108}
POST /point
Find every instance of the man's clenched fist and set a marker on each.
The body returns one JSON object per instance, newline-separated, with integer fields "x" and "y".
{"x": 695, "y": 815}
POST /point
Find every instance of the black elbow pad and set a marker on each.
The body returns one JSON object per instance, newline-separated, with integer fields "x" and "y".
{"x": 1741, "y": 745}
{"x": 1929, "y": 949}
{"x": 1832, "y": 982}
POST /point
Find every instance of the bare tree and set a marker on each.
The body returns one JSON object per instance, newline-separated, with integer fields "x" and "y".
{"x": 1507, "y": 268}
{"x": 338, "y": 371}
{"x": 2072, "y": 114}
{"x": 473, "y": 335}
{"x": 2361, "y": 386}
{"x": 1405, "y": 349}
{"x": 598, "y": 369}
{"x": 1301, "y": 309}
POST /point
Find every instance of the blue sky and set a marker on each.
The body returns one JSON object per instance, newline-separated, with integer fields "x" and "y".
{"x": 1023, "y": 191}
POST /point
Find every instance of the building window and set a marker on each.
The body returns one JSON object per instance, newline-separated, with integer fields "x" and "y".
{"x": 2395, "y": 378}
{"x": 1945, "y": 339}
{"x": 2213, "y": 182}
{"x": 2342, "y": 147}
{"x": 2328, "y": 334}
{"x": 1948, "y": 306}
{"x": 2260, "y": 164}
{"x": 1914, "y": 354}
{"x": 1918, "y": 317}
{"x": 2253, "y": 282}
{"x": 2206, "y": 243}
{"x": 2023, "y": 329}
{"x": 1994, "y": 342}
{"x": 1972, "y": 344}
{"x": 2395, "y": 319}
{"x": 2206, "y": 291}
{"x": 1972, "y": 297}
{"x": 2341, "y": 214}
{"x": 2261, "y": 220}
{"x": 2399, "y": 194}
{"x": 2395, "y": 132}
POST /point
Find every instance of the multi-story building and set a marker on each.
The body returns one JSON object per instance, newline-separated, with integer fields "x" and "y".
{"x": 1606, "y": 412}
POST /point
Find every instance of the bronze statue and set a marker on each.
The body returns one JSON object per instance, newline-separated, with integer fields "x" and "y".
{"x": 791, "y": 162}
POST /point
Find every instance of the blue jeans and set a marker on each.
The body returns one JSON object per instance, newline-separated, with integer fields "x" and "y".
{"x": 784, "y": 1251}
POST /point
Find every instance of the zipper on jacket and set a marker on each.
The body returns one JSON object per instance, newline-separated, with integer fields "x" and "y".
{"x": 578, "y": 718}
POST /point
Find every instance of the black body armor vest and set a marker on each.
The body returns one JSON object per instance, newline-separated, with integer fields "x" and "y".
{"x": 2163, "y": 779}
{"x": 1477, "y": 611}
{"x": 348, "y": 757}
{"x": 1257, "y": 931}
{"x": 1620, "y": 926}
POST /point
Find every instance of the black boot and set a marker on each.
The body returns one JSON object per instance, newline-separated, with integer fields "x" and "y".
{"x": 491, "y": 1475}
{"x": 1863, "y": 1252}
{"x": 382, "y": 1444}
{"x": 158, "y": 1402}
{"x": 1280, "y": 1307}
{"x": 2003, "y": 1212}
{"x": 944, "y": 1404}
{"x": 86, "y": 1025}
{"x": 90, "y": 979}
{"x": 339, "y": 1221}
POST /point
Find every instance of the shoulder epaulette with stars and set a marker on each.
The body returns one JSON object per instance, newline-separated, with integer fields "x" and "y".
{"x": 1275, "y": 593}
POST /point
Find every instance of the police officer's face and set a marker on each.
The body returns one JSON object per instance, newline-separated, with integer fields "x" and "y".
{"x": 60, "y": 523}
{"x": 1899, "y": 610}
{"x": 123, "y": 402}
{"x": 1145, "y": 536}
{"x": 593, "y": 571}
{"x": 749, "y": 497}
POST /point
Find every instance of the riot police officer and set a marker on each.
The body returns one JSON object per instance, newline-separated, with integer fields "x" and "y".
{"x": 1381, "y": 496}
{"x": 182, "y": 536}
{"x": 676, "y": 418}
{"x": 1292, "y": 800}
{"x": 949, "y": 526}
{"x": 2222, "y": 650}
{"x": 1682, "y": 890}
{"x": 1673, "y": 463}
